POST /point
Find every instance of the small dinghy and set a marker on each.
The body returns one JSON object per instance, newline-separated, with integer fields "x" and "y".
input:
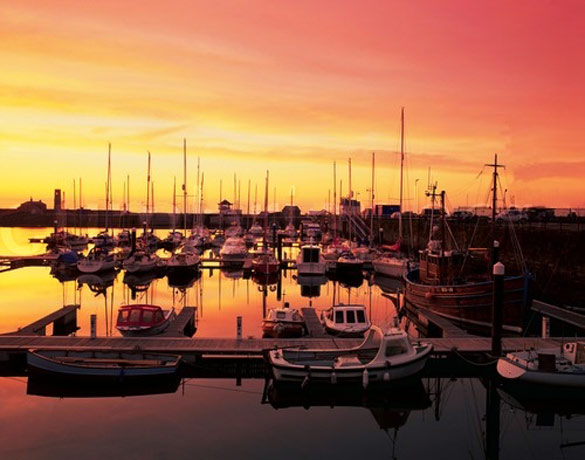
{"x": 552, "y": 367}
{"x": 381, "y": 358}
{"x": 106, "y": 365}
{"x": 143, "y": 320}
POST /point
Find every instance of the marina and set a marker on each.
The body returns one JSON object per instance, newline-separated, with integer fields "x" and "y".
{"x": 283, "y": 230}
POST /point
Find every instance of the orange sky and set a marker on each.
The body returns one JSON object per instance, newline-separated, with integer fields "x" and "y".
{"x": 292, "y": 86}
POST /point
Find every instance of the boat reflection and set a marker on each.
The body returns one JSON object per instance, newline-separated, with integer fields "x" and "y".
{"x": 390, "y": 405}
{"x": 139, "y": 282}
{"x": 183, "y": 280}
{"x": 311, "y": 284}
{"x": 39, "y": 386}
{"x": 98, "y": 283}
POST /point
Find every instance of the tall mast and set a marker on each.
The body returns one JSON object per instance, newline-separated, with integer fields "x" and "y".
{"x": 127, "y": 192}
{"x": 185, "y": 186}
{"x": 198, "y": 194}
{"x": 266, "y": 211}
{"x": 109, "y": 176}
{"x": 372, "y": 198}
{"x": 174, "y": 203}
{"x": 401, "y": 171}
{"x": 255, "y": 201}
{"x": 334, "y": 200}
{"x": 350, "y": 199}
{"x": 201, "y": 199}
{"x": 148, "y": 188}
{"x": 248, "y": 210}
{"x": 495, "y": 165}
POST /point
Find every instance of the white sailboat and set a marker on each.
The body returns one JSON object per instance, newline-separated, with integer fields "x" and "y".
{"x": 393, "y": 262}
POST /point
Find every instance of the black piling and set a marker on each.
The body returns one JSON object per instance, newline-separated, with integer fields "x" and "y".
{"x": 497, "y": 308}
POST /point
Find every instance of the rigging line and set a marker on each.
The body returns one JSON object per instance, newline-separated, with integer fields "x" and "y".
{"x": 211, "y": 387}
{"x": 476, "y": 407}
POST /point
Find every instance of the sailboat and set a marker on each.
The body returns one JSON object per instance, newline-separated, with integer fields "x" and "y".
{"x": 459, "y": 286}
{"x": 264, "y": 261}
{"x": 392, "y": 262}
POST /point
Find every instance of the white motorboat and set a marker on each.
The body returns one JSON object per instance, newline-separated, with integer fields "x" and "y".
{"x": 310, "y": 260}
{"x": 551, "y": 367}
{"x": 381, "y": 358}
{"x": 346, "y": 320}
{"x": 331, "y": 254}
{"x": 283, "y": 322}
{"x": 141, "y": 261}
{"x": 233, "y": 251}
{"x": 97, "y": 260}
{"x": 187, "y": 259}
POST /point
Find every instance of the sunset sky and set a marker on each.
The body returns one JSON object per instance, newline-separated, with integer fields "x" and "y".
{"x": 291, "y": 86}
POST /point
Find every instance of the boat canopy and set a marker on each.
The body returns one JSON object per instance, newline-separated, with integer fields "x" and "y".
{"x": 140, "y": 315}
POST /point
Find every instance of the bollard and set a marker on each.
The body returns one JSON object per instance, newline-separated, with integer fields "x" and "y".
{"x": 497, "y": 307}
{"x": 495, "y": 252}
{"x": 381, "y": 235}
{"x": 93, "y": 326}
{"x": 239, "y": 328}
{"x": 545, "y": 327}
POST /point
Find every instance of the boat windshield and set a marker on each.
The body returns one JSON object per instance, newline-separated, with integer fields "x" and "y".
{"x": 361, "y": 316}
{"x": 280, "y": 315}
{"x": 350, "y": 316}
{"x": 339, "y": 317}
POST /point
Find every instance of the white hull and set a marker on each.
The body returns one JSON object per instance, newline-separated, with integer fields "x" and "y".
{"x": 510, "y": 370}
{"x": 394, "y": 267}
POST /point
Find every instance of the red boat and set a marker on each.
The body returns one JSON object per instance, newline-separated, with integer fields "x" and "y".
{"x": 265, "y": 263}
{"x": 143, "y": 320}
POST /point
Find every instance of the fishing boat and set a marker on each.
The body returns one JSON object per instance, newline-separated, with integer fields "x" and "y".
{"x": 557, "y": 367}
{"x": 143, "y": 320}
{"x": 380, "y": 358}
{"x": 283, "y": 322}
{"x": 310, "y": 260}
{"x": 106, "y": 366}
{"x": 97, "y": 260}
{"x": 346, "y": 320}
{"x": 234, "y": 251}
{"x": 141, "y": 261}
{"x": 265, "y": 263}
{"x": 458, "y": 285}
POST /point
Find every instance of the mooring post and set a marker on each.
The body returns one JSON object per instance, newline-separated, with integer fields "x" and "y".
{"x": 381, "y": 235}
{"x": 497, "y": 308}
{"x": 545, "y": 327}
{"x": 93, "y": 325}
{"x": 133, "y": 241}
{"x": 279, "y": 248}
{"x": 239, "y": 328}
{"x": 495, "y": 252}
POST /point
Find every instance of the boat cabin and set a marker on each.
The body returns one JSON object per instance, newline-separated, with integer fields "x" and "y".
{"x": 453, "y": 267}
{"x": 139, "y": 316}
{"x": 288, "y": 315}
{"x": 347, "y": 315}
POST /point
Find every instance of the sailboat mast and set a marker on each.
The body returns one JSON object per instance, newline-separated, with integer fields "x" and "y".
{"x": 248, "y": 210}
{"x": 174, "y": 203}
{"x": 108, "y": 184}
{"x": 401, "y": 172}
{"x": 266, "y": 211}
{"x": 350, "y": 200}
{"x": 198, "y": 194}
{"x": 372, "y": 198}
{"x": 148, "y": 188}
{"x": 185, "y": 186}
{"x": 495, "y": 165}
{"x": 334, "y": 200}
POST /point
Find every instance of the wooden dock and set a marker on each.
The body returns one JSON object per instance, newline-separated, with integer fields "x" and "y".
{"x": 184, "y": 325}
{"x": 64, "y": 322}
{"x": 562, "y": 314}
{"x": 446, "y": 328}
{"x": 314, "y": 327}
{"x": 14, "y": 262}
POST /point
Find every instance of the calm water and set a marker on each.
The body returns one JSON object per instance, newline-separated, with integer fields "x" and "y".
{"x": 212, "y": 418}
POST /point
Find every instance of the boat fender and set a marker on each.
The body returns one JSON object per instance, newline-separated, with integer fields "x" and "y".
{"x": 307, "y": 377}
{"x": 365, "y": 379}
{"x": 568, "y": 347}
{"x": 333, "y": 378}
{"x": 428, "y": 295}
{"x": 386, "y": 376}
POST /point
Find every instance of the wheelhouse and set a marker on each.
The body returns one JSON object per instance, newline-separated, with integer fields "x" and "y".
{"x": 139, "y": 316}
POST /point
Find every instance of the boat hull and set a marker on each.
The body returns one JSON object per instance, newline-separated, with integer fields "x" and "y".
{"x": 513, "y": 371}
{"x": 393, "y": 267}
{"x": 282, "y": 329}
{"x": 469, "y": 304}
